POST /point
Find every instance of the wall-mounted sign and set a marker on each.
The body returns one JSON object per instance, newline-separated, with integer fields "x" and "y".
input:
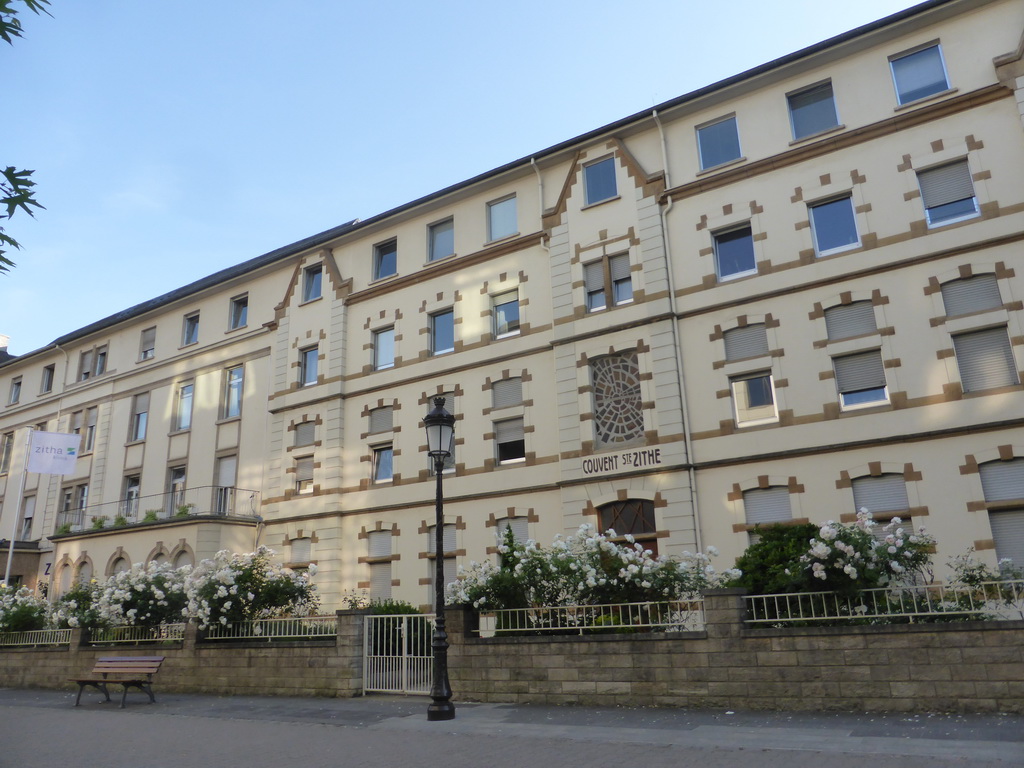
{"x": 617, "y": 462}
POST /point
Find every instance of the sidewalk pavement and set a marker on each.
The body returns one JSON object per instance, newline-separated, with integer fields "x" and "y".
{"x": 43, "y": 728}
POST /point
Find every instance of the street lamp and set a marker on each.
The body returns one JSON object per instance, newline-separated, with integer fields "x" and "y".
{"x": 440, "y": 426}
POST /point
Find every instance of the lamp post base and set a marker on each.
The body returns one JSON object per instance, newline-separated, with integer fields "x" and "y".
{"x": 441, "y": 710}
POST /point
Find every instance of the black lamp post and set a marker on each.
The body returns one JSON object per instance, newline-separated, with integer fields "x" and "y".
{"x": 440, "y": 426}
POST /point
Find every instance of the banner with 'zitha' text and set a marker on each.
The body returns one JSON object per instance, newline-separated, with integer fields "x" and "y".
{"x": 53, "y": 453}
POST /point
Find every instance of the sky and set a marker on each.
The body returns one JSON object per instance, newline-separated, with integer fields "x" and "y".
{"x": 170, "y": 141}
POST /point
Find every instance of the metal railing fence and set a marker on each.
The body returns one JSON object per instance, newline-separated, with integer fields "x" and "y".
{"x": 291, "y": 628}
{"x": 35, "y": 637}
{"x": 136, "y": 634}
{"x": 934, "y": 602}
{"x": 667, "y": 616}
{"x": 397, "y": 653}
{"x": 203, "y": 500}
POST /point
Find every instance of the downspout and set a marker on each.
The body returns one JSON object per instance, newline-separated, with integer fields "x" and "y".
{"x": 677, "y": 348}
{"x": 540, "y": 203}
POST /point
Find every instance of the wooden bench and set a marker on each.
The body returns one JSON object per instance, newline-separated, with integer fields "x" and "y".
{"x": 126, "y": 671}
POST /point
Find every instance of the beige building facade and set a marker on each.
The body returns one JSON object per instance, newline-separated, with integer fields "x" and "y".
{"x": 783, "y": 297}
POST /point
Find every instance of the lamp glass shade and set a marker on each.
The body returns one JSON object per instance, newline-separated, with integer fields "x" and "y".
{"x": 440, "y": 427}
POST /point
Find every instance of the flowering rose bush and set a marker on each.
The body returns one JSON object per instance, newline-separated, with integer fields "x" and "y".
{"x": 232, "y": 588}
{"x": 77, "y": 607}
{"x": 586, "y": 568}
{"x": 21, "y": 610}
{"x": 850, "y": 557}
{"x": 145, "y": 595}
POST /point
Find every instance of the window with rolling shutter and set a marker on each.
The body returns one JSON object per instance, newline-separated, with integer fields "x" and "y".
{"x": 884, "y": 493}
{"x": 972, "y": 294}
{"x": 985, "y": 359}
{"x": 147, "y": 344}
{"x": 301, "y": 550}
{"x": 304, "y": 475}
{"x": 449, "y": 540}
{"x": 382, "y": 419}
{"x": 948, "y": 193}
{"x": 609, "y": 276}
{"x": 507, "y": 392}
{"x": 379, "y": 546}
{"x": 1003, "y": 480}
{"x": 511, "y": 441}
{"x": 305, "y": 433}
{"x": 860, "y": 379}
{"x": 749, "y": 341}
{"x": 518, "y": 525}
{"x": 1008, "y": 533}
{"x": 379, "y": 543}
{"x": 764, "y": 506}
{"x": 845, "y": 321}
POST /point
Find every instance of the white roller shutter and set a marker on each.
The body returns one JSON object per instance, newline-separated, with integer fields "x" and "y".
{"x": 382, "y": 419}
{"x": 507, "y": 392}
{"x": 1008, "y": 532}
{"x": 619, "y": 267}
{"x": 1003, "y": 480}
{"x": 858, "y": 372}
{"x": 885, "y": 493}
{"x": 973, "y": 294}
{"x": 749, "y": 341}
{"x": 301, "y": 550}
{"x": 985, "y": 359}
{"x": 848, "y": 320}
{"x": 767, "y": 505}
{"x": 946, "y": 184}
{"x": 305, "y": 433}
{"x": 519, "y": 527}
{"x": 380, "y": 581}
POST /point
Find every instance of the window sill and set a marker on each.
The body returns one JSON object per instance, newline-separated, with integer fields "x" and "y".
{"x": 228, "y": 420}
{"x": 953, "y": 220}
{"x": 757, "y": 423}
{"x": 190, "y": 344}
{"x": 509, "y": 335}
{"x": 818, "y": 135}
{"x": 925, "y": 99}
{"x": 314, "y": 300}
{"x": 382, "y": 278}
{"x": 140, "y": 441}
{"x": 440, "y": 259}
{"x": 588, "y": 206}
{"x": 184, "y": 431}
{"x": 737, "y": 276}
{"x": 237, "y": 328}
{"x": 388, "y": 481}
{"x": 837, "y": 250}
{"x": 720, "y": 166}
{"x": 502, "y": 239}
{"x": 512, "y": 462}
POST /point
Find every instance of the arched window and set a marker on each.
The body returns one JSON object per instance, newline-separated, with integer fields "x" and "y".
{"x": 632, "y": 516}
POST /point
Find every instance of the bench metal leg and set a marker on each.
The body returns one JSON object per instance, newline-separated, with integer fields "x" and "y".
{"x": 101, "y": 687}
{"x": 144, "y": 687}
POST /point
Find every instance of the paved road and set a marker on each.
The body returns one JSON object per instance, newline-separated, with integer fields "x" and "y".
{"x": 43, "y": 728}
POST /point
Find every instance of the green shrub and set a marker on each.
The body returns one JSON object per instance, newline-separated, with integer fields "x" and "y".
{"x": 772, "y": 564}
{"x": 21, "y": 611}
{"x": 151, "y": 516}
{"x": 391, "y": 607}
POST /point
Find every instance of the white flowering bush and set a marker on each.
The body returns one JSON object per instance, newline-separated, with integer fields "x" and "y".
{"x": 848, "y": 557}
{"x": 21, "y": 610}
{"x": 587, "y": 568}
{"x": 77, "y": 607}
{"x": 144, "y": 595}
{"x": 231, "y": 588}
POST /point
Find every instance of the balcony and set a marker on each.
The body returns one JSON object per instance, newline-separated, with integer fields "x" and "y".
{"x": 205, "y": 501}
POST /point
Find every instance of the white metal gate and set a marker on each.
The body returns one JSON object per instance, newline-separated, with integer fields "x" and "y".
{"x": 397, "y": 654}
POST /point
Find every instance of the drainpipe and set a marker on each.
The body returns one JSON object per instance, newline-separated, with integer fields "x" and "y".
{"x": 681, "y": 378}
{"x": 540, "y": 202}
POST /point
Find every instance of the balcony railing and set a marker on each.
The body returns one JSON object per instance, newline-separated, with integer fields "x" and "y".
{"x": 225, "y": 501}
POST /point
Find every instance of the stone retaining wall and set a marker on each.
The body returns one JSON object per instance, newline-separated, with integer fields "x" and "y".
{"x": 958, "y": 667}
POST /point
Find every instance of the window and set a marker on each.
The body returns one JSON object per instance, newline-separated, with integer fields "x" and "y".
{"x": 764, "y": 506}
{"x": 147, "y": 344}
{"x": 882, "y": 493}
{"x": 175, "y": 490}
{"x": 608, "y": 277}
{"x": 92, "y": 362}
{"x": 304, "y": 475}
{"x": 599, "y": 181}
{"x": 748, "y": 341}
{"x": 140, "y": 416}
{"x": 812, "y": 110}
{"x": 300, "y": 550}
{"x": 383, "y": 463}
{"x": 6, "y": 449}
{"x": 919, "y": 74}
{"x": 442, "y": 332}
{"x": 47, "y": 382}
{"x": 312, "y": 282}
{"x": 618, "y": 408}
{"x": 190, "y": 329}
{"x": 860, "y": 379}
{"x": 734, "y": 253}
{"x": 507, "y": 392}
{"x": 308, "y": 362}
{"x": 385, "y": 259}
{"x": 501, "y": 218}
{"x": 948, "y": 193}
{"x": 382, "y": 419}
{"x": 28, "y": 511}
{"x": 448, "y": 542}
{"x": 969, "y": 295}
{"x": 844, "y": 321}
{"x": 718, "y": 143}
{"x": 15, "y": 394}
{"x": 224, "y": 489}
{"x": 234, "y": 379}
{"x": 120, "y": 566}
{"x": 518, "y": 525}
{"x": 183, "y": 407}
{"x": 753, "y": 396}
{"x": 634, "y": 517}
{"x": 1003, "y": 484}
{"x": 305, "y": 433}
{"x": 383, "y": 349}
{"x": 441, "y": 240}
{"x": 238, "y": 316}
{"x": 132, "y": 492}
{"x": 506, "y": 314}
{"x": 834, "y": 226}
{"x": 91, "y": 415}
{"x": 985, "y": 359}
{"x": 379, "y": 554}
{"x": 510, "y": 438}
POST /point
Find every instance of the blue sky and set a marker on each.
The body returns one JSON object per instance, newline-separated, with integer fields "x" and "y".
{"x": 172, "y": 141}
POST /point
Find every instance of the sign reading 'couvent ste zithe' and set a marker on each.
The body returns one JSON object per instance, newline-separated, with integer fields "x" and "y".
{"x": 616, "y": 462}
